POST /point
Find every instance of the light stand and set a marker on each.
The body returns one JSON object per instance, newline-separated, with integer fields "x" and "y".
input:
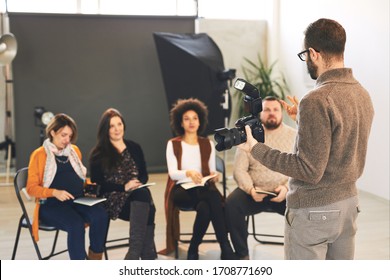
{"x": 227, "y": 75}
{"x": 8, "y": 49}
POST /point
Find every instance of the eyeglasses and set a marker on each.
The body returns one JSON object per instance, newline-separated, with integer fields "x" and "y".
{"x": 303, "y": 54}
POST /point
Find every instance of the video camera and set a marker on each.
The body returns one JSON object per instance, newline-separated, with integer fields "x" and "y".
{"x": 227, "y": 138}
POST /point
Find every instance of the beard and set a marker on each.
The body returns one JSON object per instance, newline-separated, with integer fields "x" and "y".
{"x": 311, "y": 68}
{"x": 272, "y": 124}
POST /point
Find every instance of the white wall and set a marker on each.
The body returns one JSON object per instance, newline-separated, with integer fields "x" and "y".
{"x": 236, "y": 39}
{"x": 367, "y": 53}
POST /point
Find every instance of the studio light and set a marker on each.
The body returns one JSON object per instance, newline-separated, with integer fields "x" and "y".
{"x": 42, "y": 119}
{"x": 227, "y": 75}
{"x": 8, "y": 48}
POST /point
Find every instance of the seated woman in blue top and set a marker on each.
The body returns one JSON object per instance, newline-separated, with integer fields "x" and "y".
{"x": 119, "y": 167}
{"x": 56, "y": 177}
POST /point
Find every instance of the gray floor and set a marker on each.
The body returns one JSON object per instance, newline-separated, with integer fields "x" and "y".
{"x": 372, "y": 241}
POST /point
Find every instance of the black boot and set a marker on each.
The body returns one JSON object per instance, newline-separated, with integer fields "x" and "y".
{"x": 227, "y": 252}
{"x": 149, "y": 249}
{"x": 139, "y": 212}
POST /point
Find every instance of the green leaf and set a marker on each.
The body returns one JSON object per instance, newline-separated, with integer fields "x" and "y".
{"x": 261, "y": 76}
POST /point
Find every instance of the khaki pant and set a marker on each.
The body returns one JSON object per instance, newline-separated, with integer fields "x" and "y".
{"x": 322, "y": 233}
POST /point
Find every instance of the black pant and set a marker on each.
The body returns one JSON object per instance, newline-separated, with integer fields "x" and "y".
{"x": 239, "y": 204}
{"x": 207, "y": 201}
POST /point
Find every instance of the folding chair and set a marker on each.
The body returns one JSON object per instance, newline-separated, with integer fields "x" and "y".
{"x": 220, "y": 166}
{"x": 267, "y": 236}
{"x": 20, "y": 182}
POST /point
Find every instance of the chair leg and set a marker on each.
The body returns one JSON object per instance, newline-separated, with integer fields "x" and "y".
{"x": 35, "y": 244}
{"x": 176, "y": 249}
{"x": 105, "y": 244}
{"x": 17, "y": 240}
{"x": 254, "y": 234}
{"x": 52, "y": 253}
{"x": 105, "y": 254}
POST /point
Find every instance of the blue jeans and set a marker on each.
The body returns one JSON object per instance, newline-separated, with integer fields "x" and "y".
{"x": 72, "y": 217}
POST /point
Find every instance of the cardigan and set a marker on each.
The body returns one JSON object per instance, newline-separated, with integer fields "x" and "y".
{"x": 36, "y": 169}
{"x": 334, "y": 123}
{"x": 97, "y": 172}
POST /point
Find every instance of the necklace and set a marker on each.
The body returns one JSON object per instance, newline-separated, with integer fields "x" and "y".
{"x": 62, "y": 161}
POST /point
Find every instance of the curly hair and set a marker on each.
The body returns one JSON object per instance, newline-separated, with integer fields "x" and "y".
{"x": 184, "y": 105}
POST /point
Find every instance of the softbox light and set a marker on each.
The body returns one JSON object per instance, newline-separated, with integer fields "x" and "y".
{"x": 191, "y": 66}
{"x": 8, "y": 48}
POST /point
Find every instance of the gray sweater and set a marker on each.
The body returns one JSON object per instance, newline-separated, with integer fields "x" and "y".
{"x": 334, "y": 123}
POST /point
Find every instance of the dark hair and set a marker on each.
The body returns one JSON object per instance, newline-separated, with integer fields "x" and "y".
{"x": 184, "y": 105}
{"x": 272, "y": 98}
{"x": 104, "y": 151}
{"x": 326, "y": 36}
{"x": 59, "y": 121}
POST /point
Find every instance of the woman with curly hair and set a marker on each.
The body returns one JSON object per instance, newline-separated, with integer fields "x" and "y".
{"x": 189, "y": 158}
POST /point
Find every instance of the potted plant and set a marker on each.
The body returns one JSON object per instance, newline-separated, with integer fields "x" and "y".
{"x": 261, "y": 76}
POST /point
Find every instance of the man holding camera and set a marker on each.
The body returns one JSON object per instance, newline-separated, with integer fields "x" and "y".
{"x": 334, "y": 121}
{"x": 252, "y": 177}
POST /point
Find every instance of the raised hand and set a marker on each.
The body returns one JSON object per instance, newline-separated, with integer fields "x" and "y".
{"x": 292, "y": 110}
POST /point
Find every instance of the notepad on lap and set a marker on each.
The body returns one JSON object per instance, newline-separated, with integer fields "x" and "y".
{"x": 89, "y": 201}
{"x": 146, "y": 185}
{"x": 194, "y": 185}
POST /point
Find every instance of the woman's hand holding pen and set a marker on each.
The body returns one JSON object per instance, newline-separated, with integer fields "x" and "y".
{"x": 132, "y": 185}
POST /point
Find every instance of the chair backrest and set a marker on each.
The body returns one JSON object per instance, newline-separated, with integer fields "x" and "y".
{"x": 20, "y": 182}
{"x": 220, "y": 166}
{"x": 20, "y": 179}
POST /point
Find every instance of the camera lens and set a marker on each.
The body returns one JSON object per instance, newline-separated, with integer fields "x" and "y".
{"x": 227, "y": 138}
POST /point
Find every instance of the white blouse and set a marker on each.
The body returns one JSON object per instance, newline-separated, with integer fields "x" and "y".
{"x": 190, "y": 161}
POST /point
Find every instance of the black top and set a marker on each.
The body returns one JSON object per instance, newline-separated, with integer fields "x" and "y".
{"x": 66, "y": 178}
{"x": 102, "y": 178}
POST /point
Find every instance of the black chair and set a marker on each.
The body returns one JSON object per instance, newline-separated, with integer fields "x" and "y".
{"x": 270, "y": 238}
{"x": 25, "y": 221}
{"x": 220, "y": 166}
